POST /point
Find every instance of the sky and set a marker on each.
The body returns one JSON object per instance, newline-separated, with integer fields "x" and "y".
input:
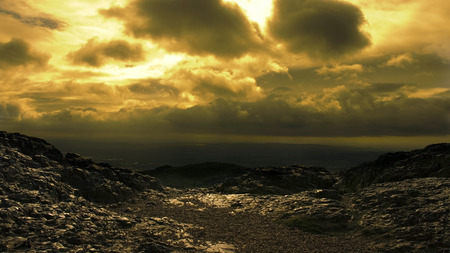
{"x": 355, "y": 72}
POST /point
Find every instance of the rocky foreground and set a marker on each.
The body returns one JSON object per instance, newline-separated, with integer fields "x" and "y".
{"x": 66, "y": 203}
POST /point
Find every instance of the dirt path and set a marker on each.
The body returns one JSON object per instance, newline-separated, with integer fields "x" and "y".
{"x": 247, "y": 232}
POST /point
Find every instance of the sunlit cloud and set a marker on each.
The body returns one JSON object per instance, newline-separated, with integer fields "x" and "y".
{"x": 96, "y": 54}
{"x": 399, "y": 60}
{"x": 337, "y": 69}
{"x": 257, "y": 69}
{"x": 180, "y": 26}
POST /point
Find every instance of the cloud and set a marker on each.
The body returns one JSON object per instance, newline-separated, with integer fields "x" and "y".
{"x": 153, "y": 88}
{"x": 196, "y": 27}
{"x": 386, "y": 87}
{"x": 17, "y": 52}
{"x": 72, "y": 114}
{"x": 203, "y": 84}
{"x": 151, "y": 93}
{"x": 427, "y": 70}
{"x": 321, "y": 28}
{"x": 95, "y": 53}
{"x": 9, "y": 112}
{"x": 337, "y": 69}
{"x": 40, "y": 21}
{"x": 340, "y": 111}
{"x": 399, "y": 61}
{"x": 399, "y": 26}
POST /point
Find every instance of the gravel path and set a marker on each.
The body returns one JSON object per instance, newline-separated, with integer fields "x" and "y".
{"x": 247, "y": 232}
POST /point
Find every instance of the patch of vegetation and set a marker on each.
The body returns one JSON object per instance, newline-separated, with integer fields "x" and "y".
{"x": 315, "y": 225}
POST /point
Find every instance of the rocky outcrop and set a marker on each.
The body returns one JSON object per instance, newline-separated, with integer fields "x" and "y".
{"x": 279, "y": 180}
{"x": 432, "y": 161}
{"x": 101, "y": 182}
{"x": 408, "y": 216}
{"x": 34, "y": 164}
{"x": 196, "y": 175}
{"x": 45, "y": 200}
{"x": 36, "y": 148}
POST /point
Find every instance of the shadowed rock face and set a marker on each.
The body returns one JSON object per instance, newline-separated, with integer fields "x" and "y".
{"x": 33, "y": 147}
{"x": 432, "y": 161}
{"x": 101, "y": 182}
{"x": 33, "y": 164}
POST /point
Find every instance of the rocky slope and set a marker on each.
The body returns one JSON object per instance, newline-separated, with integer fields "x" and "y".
{"x": 48, "y": 202}
{"x": 68, "y": 203}
{"x": 432, "y": 161}
{"x": 279, "y": 180}
{"x": 408, "y": 216}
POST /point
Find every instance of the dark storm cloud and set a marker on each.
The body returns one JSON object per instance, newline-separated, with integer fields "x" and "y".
{"x": 427, "y": 70}
{"x": 320, "y": 28}
{"x": 96, "y": 54}
{"x": 18, "y": 52}
{"x": 154, "y": 88}
{"x": 386, "y": 87}
{"x": 9, "y": 112}
{"x": 269, "y": 116}
{"x": 71, "y": 113}
{"x": 206, "y": 88}
{"x": 45, "y": 22}
{"x": 361, "y": 114}
{"x": 198, "y": 27}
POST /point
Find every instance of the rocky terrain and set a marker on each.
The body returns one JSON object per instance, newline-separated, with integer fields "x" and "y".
{"x": 196, "y": 175}
{"x": 67, "y": 203}
{"x": 432, "y": 161}
{"x": 279, "y": 180}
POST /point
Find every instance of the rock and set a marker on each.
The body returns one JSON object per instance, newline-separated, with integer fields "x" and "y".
{"x": 196, "y": 175}
{"x": 279, "y": 180}
{"x": 410, "y": 216}
{"x": 47, "y": 202}
{"x": 30, "y": 146}
{"x": 100, "y": 182}
{"x": 156, "y": 247}
{"x": 51, "y": 203}
{"x": 77, "y": 160}
{"x": 432, "y": 161}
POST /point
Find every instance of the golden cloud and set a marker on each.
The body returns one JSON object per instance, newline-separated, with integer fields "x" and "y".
{"x": 96, "y": 54}
{"x": 323, "y": 28}
{"x": 195, "y": 27}
{"x": 17, "y": 52}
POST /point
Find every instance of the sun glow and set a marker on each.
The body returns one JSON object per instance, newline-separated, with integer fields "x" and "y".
{"x": 153, "y": 69}
{"x": 256, "y": 10}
